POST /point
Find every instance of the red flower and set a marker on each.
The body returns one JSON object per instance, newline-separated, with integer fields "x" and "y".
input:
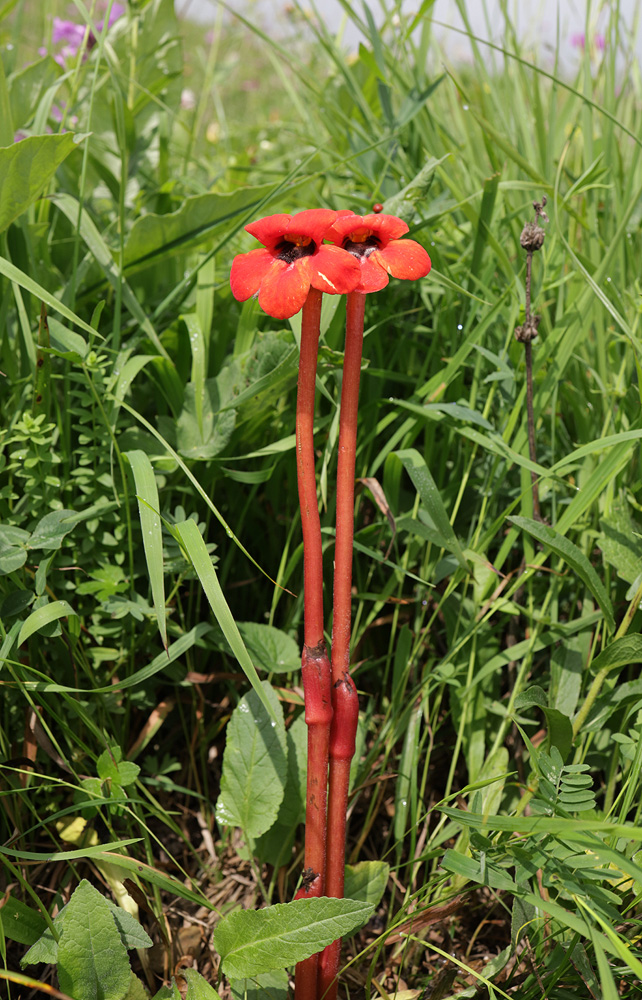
{"x": 374, "y": 241}
{"x": 294, "y": 259}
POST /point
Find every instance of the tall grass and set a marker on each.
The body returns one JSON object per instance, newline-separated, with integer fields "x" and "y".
{"x": 479, "y": 631}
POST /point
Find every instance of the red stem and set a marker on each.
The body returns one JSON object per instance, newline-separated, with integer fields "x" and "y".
{"x": 306, "y": 471}
{"x": 344, "y": 693}
{"x": 315, "y": 665}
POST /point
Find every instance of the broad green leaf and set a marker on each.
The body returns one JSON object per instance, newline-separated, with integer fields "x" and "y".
{"x": 52, "y": 528}
{"x": 26, "y": 168}
{"x": 43, "y": 616}
{"x": 110, "y": 767}
{"x": 620, "y": 542}
{"x": 13, "y": 548}
{"x": 268, "y": 986}
{"x": 20, "y": 922}
{"x": 192, "y": 541}
{"x": 197, "y": 987}
{"x": 46, "y": 947}
{"x": 255, "y": 765}
{"x": 560, "y": 727}
{"x": 426, "y": 487}
{"x": 574, "y": 558}
{"x": 194, "y": 222}
{"x": 137, "y": 990}
{"x": 522, "y": 916}
{"x": 251, "y": 942}
{"x": 270, "y": 648}
{"x": 168, "y": 992}
{"x": 292, "y": 809}
{"x": 203, "y": 433}
{"x": 366, "y": 881}
{"x": 65, "y": 343}
{"x": 92, "y": 960}
{"x": 621, "y": 652}
{"x": 150, "y": 524}
{"x": 7, "y": 118}
{"x": 28, "y": 85}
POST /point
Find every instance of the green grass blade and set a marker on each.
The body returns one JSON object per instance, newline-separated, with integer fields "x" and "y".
{"x": 196, "y": 550}
{"x": 150, "y": 523}
{"x": 573, "y": 557}
{"x": 426, "y": 487}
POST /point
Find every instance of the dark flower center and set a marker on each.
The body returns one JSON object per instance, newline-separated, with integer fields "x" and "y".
{"x": 361, "y": 249}
{"x": 294, "y": 247}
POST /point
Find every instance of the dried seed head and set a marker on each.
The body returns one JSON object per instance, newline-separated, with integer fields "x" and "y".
{"x": 526, "y": 333}
{"x": 532, "y": 237}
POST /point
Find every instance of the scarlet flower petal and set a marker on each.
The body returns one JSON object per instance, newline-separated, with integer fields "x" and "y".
{"x": 405, "y": 259}
{"x": 285, "y": 288}
{"x": 373, "y": 274}
{"x": 248, "y": 271}
{"x": 269, "y": 230}
{"x": 345, "y": 224}
{"x": 313, "y": 222}
{"x": 386, "y": 227}
{"x": 334, "y": 270}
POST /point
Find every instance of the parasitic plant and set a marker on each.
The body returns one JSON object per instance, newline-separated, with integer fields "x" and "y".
{"x": 289, "y": 274}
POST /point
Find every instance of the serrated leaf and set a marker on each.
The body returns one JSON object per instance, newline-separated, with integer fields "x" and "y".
{"x": 43, "y": 616}
{"x": 251, "y": 942}
{"x": 168, "y": 992}
{"x": 136, "y": 990}
{"x": 254, "y": 765}
{"x": 268, "y": 986}
{"x": 107, "y": 763}
{"x": 573, "y": 557}
{"x": 207, "y": 419}
{"x": 197, "y": 987}
{"x": 92, "y": 959}
{"x": 366, "y": 881}
{"x": 270, "y": 648}
{"x": 45, "y": 950}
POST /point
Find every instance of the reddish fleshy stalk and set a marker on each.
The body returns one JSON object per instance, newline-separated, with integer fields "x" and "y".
{"x": 315, "y": 665}
{"x": 293, "y": 260}
{"x": 373, "y": 240}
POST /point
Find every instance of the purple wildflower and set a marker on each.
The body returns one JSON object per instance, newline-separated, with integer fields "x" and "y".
{"x": 68, "y": 31}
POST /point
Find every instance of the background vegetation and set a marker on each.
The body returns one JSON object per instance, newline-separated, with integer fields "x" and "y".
{"x": 497, "y": 657}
